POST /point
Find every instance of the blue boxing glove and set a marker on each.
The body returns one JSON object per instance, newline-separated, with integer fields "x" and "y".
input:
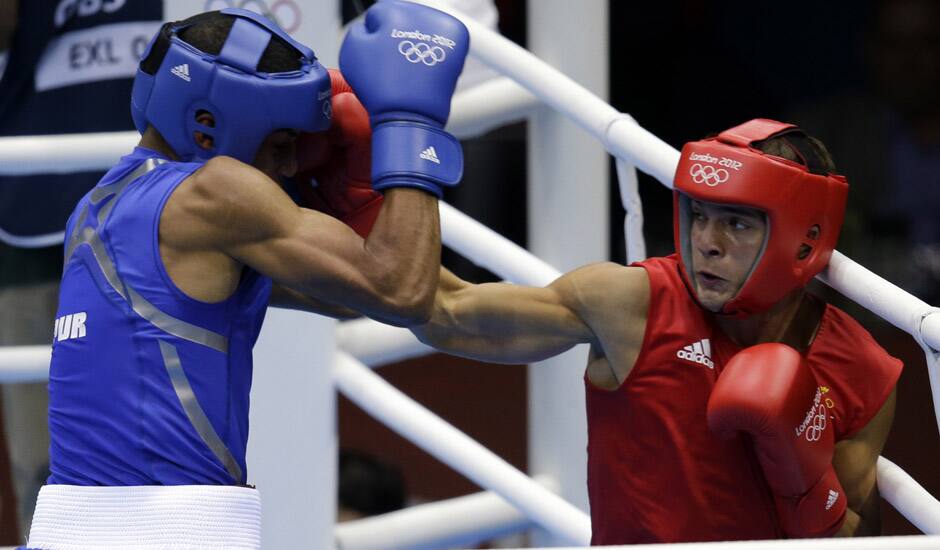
{"x": 403, "y": 62}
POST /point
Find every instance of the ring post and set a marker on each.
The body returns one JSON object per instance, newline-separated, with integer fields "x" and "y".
{"x": 568, "y": 213}
{"x": 292, "y": 443}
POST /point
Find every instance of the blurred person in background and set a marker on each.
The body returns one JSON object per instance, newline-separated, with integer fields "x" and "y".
{"x": 367, "y": 486}
{"x": 66, "y": 67}
{"x": 888, "y": 137}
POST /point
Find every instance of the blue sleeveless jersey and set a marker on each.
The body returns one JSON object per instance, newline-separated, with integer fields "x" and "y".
{"x": 147, "y": 386}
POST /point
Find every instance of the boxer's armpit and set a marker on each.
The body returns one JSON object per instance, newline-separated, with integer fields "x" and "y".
{"x": 855, "y": 462}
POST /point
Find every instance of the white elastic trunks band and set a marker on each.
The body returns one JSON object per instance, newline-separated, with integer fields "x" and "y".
{"x": 69, "y": 517}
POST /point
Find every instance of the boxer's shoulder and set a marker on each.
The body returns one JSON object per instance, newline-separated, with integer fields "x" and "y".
{"x": 607, "y": 294}
{"x": 222, "y": 174}
{"x": 218, "y": 200}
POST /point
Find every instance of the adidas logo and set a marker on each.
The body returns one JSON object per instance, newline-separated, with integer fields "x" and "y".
{"x": 699, "y": 352}
{"x": 430, "y": 154}
{"x": 833, "y": 497}
{"x": 182, "y": 71}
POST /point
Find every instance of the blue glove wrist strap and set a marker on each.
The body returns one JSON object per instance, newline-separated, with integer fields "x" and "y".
{"x": 412, "y": 154}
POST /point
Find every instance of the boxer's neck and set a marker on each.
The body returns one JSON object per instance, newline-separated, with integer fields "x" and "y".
{"x": 151, "y": 139}
{"x": 792, "y": 321}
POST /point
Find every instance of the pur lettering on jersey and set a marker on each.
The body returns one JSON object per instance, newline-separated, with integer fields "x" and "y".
{"x": 70, "y": 326}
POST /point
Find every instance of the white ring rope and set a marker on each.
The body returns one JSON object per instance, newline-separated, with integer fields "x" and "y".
{"x": 459, "y": 451}
{"x": 461, "y": 522}
{"x": 907, "y": 496}
{"x": 63, "y": 154}
{"x": 474, "y": 111}
{"x": 858, "y": 543}
{"x": 20, "y": 364}
{"x": 623, "y": 137}
{"x": 633, "y": 208}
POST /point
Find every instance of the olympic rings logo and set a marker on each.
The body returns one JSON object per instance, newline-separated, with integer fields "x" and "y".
{"x": 709, "y": 175}
{"x": 814, "y": 431}
{"x": 421, "y": 52}
{"x": 285, "y": 13}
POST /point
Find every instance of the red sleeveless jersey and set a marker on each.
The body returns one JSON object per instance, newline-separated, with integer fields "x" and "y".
{"x": 655, "y": 471}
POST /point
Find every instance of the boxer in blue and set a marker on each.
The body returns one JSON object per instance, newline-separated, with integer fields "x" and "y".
{"x": 170, "y": 262}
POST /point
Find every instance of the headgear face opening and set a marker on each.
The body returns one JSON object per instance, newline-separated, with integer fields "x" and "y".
{"x": 246, "y": 104}
{"x": 804, "y": 209}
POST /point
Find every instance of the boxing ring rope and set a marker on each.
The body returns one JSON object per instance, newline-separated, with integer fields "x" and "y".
{"x": 374, "y": 344}
{"x": 462, "y": 522}
{"x": 459, "y": 451}
{"x": 905, "y": 494}
{"x": 20, "y": 364}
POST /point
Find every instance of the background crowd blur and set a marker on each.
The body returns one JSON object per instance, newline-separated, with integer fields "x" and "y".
{"x": 861, "y": 75}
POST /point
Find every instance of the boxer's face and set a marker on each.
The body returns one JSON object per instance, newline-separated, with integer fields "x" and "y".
{"x": 725, "y": 242}
{"x": 277, "y": 156}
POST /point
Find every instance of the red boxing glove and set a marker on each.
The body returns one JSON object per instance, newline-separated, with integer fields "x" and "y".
{"x": 334, "y": 167}
{"x": 768, "y": 391}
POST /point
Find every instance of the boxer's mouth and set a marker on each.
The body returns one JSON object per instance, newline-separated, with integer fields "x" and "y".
{"x": 709, "y": 280}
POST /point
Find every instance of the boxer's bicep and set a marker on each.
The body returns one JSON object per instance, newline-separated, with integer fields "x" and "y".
{"x": 250, "y": 218}
{"x": 322, "y": 258}
{"x": 855, "y": 463}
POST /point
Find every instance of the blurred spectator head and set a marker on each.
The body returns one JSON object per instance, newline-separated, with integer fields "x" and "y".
{"x": 367, "y": 486}
{"x": 904, "y": 54}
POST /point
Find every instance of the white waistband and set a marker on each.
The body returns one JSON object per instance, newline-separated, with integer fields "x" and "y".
{"x": 70, "y": 517}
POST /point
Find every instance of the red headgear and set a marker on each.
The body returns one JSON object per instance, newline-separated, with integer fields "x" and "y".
{"x": 802, "y": 207}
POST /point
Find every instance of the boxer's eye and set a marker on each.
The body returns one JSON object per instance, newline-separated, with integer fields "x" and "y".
{"x": 739, "y": 224}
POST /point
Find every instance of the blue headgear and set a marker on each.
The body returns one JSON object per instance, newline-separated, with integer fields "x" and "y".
{"x": 247, "y": 104}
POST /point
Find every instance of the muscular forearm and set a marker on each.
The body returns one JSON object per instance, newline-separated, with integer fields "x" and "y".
{"x": 404, "y": 249}
{"x": 498, "y": 322}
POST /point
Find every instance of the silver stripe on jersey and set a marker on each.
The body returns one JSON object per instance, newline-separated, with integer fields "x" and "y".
{"x": 99, "y": 194}
{"x": 174, "y": 326}
{"x": 165, "y": 322}
{"x": 197, "y": 417}
{"x": 142, "y": 306}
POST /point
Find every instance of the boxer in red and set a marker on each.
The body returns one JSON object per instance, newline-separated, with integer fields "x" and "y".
{"x": 723, "y": 400}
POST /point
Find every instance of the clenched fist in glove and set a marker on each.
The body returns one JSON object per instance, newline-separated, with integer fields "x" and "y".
{"x": 403, "y": 61}
{"x": 333, "y": 167}
{"x": 769, "y": 392}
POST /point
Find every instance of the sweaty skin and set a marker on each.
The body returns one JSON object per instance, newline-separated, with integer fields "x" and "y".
{"x": 606, "y": 305}
{"x": 229, "y": 215}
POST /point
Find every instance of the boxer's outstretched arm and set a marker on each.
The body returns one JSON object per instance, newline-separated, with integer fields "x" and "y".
{"x": 855, "y": 462}
{"x": 390, "y": 276}
{"x": 506, "y": 323}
